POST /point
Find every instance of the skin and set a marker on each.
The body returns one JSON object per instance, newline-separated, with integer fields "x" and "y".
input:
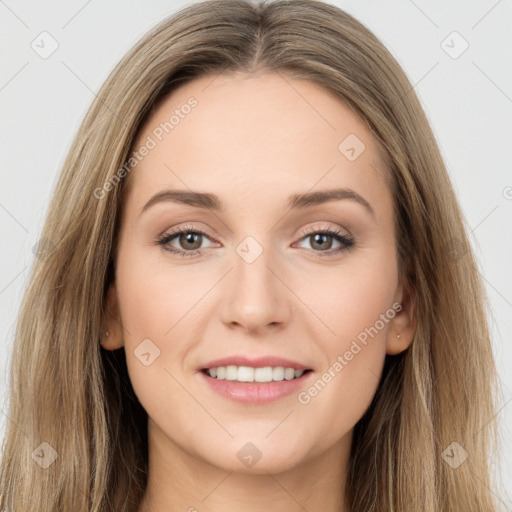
{"x": 254, "y": 140}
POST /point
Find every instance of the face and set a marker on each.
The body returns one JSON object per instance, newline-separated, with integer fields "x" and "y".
{"x": 256, "y": 275}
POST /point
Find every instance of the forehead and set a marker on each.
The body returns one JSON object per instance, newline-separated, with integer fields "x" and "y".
{"x": 256, "y": 136}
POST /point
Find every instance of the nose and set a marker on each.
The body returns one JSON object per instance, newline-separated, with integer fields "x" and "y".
{"x": 256, "y": 296}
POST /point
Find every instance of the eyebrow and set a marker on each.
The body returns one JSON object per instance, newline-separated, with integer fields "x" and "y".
{"x": 210, "y": 201}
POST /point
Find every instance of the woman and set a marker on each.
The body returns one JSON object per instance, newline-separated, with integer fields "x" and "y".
{"x": 263, "y": 367}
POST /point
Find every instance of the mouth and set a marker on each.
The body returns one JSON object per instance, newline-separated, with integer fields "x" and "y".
{"x": 251, "y": 375}
{"x": 253, "y": 386}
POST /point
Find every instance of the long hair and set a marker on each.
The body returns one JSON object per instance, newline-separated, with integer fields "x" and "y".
{"x": 76, "y": 436}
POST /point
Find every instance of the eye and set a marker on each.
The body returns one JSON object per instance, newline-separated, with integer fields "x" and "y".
{"x": 189, "y": 238}
{"x": 322, "y": 239}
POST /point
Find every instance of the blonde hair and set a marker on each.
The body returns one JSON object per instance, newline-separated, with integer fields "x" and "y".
{"x": 67, "y": 391}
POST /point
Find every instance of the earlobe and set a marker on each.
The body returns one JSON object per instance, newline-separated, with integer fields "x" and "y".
{"x": 111, "y": 335}
{"x": 397, "y": 343}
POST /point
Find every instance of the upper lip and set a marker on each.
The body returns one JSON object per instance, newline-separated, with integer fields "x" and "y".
{"x": 257, "y": 362}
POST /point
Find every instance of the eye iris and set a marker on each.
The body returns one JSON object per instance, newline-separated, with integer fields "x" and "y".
{"x": 188, "y": 237}
{"x": 318, "y": 237}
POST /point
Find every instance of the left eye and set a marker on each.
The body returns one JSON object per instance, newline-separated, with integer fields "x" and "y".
{"x": 189, "y": 239}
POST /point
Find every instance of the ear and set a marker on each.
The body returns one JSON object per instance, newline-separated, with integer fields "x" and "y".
{"x": 111, "y": 332}
{"x": 403, "y": 326}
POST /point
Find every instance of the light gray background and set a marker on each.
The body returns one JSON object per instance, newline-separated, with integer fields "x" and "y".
{"x": 468, "y": 100}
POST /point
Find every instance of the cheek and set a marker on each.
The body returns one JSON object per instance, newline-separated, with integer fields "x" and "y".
{"x": 157, "y": 294}
{"x": 350, "y": 298}
{"x": 155, "y": 302}
{"x": 354, "y": 306}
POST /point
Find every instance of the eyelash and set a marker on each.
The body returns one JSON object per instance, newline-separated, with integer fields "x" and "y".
{"x": 346, "y": 241}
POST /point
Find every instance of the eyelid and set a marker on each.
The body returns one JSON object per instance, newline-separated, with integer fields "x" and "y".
{"x": 315, "y": 229}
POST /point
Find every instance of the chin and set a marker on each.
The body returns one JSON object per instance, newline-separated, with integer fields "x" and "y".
{"x": 255, "y": 457}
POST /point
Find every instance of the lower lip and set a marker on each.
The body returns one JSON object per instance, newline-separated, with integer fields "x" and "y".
{"x": 255, "y": 392}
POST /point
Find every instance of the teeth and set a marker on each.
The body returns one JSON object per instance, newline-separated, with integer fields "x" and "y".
{"x": 249, "y": 374}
